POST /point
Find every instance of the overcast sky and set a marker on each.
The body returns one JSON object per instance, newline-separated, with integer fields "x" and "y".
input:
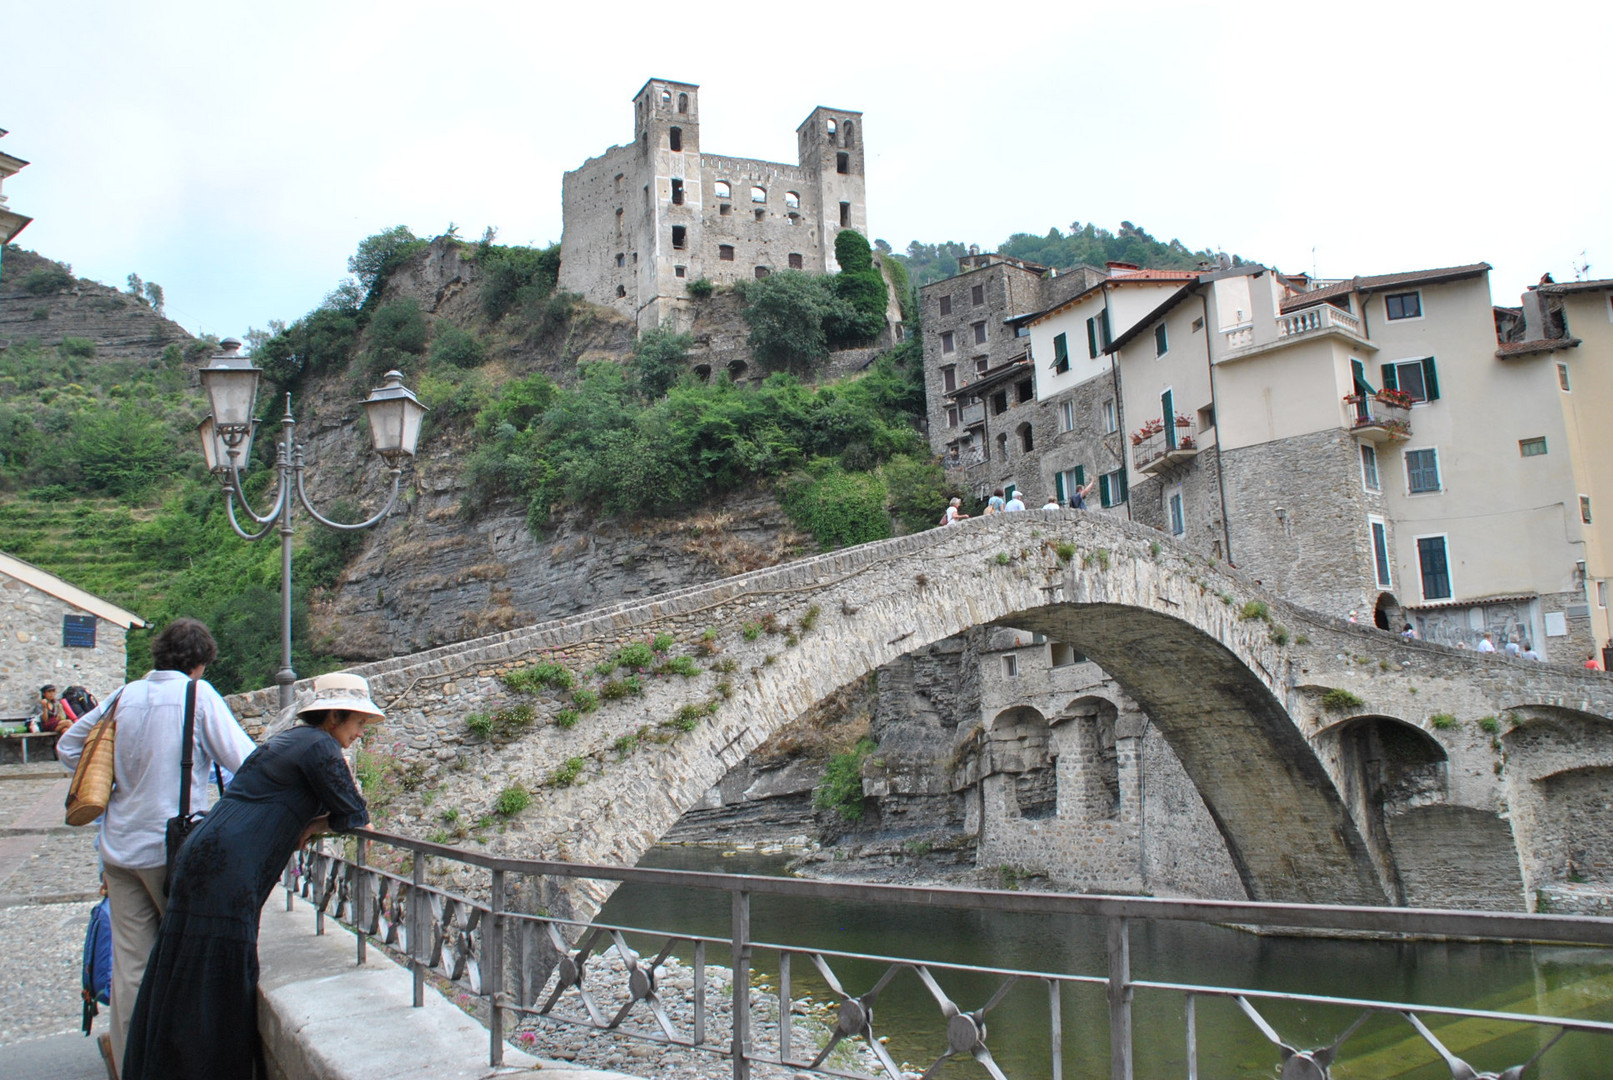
{"x": 237, "y": 154}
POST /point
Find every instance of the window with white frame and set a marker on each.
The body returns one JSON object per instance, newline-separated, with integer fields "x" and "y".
{"x": 1369, "y": 468}
{"x": 1422, "y": 471}
{"x": 1433, "y": 566}
{"x": 1380, "y": 549}
{"x": 1406, "y": 305}
{"x": 1111, "y": 422}
{"x": 1416, "y": 378}
{"x": 1010, "y": 666}
{"x": 1067, "y": 416}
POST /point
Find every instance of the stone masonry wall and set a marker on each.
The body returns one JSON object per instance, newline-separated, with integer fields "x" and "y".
{"x": 1316, "y": 479}
{"x": 33, "y": 654}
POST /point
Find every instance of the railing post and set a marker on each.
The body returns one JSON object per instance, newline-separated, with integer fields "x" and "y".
{"x": 1119, "y": 1000}
{"x": 494, "y": 973}
{"x": 741, "y": 985}
{"x": 321, "y": 897}
{"x": 417, "y": 930}
{"x": 1055, "y": 1008}
{"x": 361, "y": 896}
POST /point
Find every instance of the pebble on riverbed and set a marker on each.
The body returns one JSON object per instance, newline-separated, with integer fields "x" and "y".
{"x": 607, "y": 983}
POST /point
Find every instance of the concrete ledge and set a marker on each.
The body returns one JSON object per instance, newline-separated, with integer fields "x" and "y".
{"x": 325, "y": 1018}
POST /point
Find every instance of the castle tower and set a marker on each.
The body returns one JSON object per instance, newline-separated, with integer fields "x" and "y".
{"x": 830, "y": 144}
{"x": 669, "y": 237}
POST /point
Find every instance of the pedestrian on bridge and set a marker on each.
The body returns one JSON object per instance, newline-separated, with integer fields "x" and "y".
{"x": 145, "y": 794}
{"x": 197, "y": 1016}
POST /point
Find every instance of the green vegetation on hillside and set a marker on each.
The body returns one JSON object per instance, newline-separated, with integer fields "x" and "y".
{"x": 1086, "y": 243}
{"x": 101, "y": 481}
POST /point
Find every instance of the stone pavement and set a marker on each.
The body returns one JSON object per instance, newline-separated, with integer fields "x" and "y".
{"x": 323, "y": 1017}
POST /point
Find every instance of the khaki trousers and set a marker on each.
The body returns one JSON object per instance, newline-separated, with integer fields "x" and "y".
{"x": 135, "y": 904}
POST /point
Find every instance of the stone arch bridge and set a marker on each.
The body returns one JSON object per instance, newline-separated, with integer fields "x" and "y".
{"x": 1280, "y": 716}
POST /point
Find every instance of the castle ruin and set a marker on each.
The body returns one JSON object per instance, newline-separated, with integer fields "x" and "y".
{"x": 642, "y": 221}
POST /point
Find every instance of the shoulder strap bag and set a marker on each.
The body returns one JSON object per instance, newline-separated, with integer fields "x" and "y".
{"x": 93, "y": 777}
{"x": 184, "y": 823}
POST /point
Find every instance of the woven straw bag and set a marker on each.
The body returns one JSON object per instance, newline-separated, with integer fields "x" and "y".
{"x": 91, "y": 788}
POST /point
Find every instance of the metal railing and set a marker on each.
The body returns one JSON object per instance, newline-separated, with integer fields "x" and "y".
{"x": 521, "y": 963}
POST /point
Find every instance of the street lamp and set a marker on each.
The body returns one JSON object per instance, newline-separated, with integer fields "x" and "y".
{"x": 231, "y": 383}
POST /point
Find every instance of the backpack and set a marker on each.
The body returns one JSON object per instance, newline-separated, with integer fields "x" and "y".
{"x": 96, "y": 975}
{"x": 80, "y": 700}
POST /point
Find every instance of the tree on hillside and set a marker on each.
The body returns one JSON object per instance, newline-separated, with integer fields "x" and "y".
{"x": 379, "y": 255}
{"x": 786, "y": 315}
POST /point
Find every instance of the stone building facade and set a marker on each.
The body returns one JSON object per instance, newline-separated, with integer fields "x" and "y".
{"x": 56, "y": 633}
{"x": 644, "y": 220}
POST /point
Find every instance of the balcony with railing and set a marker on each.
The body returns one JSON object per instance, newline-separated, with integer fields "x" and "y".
{"x": 965, "y": 457}
{"x": 1309, "y": 322}
{"x": 1379, "y": 417}
{"x": 1157, "y": 447}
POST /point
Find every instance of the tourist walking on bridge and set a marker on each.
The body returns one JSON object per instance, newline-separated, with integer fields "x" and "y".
{"x": 145, "y": 794}
{"x": 197, "y": 1016}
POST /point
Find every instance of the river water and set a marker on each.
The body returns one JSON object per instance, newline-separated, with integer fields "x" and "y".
{"x": 1570, "y": 982}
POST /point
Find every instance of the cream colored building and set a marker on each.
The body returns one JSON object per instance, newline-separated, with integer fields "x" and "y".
{"x": 1259, "y": 428}
{"x": 11, "y": 222}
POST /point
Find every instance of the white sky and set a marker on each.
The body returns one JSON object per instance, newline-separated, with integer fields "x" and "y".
{"x": 238, "y": 155}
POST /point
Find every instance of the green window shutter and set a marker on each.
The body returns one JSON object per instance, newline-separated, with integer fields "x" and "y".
{"x": 1168, "y": 412}
{"x": 1430, "y": 381}
{"x": 1124, "y": 493}
{"x": 1058, "y": 485}
{"x": 1107, "y": 332}
{"x": 1358, "y": 372}
{"x": 1389, "y": 380}
{"x": 1081, "y": 475}
{"x": 1092, "y": 337}
{"x": 1103, "y": 491}
{"x": 1061, "y": 354}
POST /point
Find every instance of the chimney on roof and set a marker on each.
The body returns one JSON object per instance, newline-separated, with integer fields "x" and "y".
{"x": 974, "y": 249}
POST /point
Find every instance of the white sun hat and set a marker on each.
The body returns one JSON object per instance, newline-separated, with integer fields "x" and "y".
{"x": 339, "y": 690}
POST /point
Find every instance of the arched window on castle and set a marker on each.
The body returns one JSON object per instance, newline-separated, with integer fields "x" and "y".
{"x": 830, "y": 128}
{"x": 850, "y": 135}
{"x": 683, "y": 103}
{"x": 792, "y": 199}
{"x": 674, "y": 138}
{"x": 723, "y": 189}
{"x": 666, "y": 98}
{"x": 758, "y": 194}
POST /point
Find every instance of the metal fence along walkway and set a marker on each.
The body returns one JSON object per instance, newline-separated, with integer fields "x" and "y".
{"x": 532, "y": 967}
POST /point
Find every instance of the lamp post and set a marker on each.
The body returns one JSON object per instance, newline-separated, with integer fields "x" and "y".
{"x": 231, "y": 383}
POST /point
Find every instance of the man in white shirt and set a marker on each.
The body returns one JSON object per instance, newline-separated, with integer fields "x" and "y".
{"x": 1015, "y": 502}
{"x": 151, "y": 721}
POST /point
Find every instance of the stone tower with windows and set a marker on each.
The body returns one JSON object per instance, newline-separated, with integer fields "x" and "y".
{"x": 644, "y": 220}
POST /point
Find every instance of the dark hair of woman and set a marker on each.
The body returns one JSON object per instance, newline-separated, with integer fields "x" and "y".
{"x": 184, "y": 645}
{"x": 316, "y": 717}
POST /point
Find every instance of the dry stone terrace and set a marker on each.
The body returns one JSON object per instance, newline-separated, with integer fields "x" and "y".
{"x": 1238, "y": 681}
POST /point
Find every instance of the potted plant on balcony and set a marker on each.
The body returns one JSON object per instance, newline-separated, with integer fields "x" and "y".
{"x": 1147, "y": 431}
{"x": 1399, "y": 399}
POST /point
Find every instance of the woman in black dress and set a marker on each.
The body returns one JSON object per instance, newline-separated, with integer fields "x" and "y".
{"x": 197, "y": 1014}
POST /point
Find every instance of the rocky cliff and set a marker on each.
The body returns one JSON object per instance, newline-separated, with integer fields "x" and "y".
{"x": 122, "y": 327}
